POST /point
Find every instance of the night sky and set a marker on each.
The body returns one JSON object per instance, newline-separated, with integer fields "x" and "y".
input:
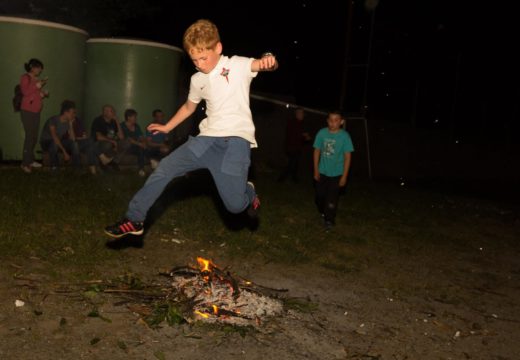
{"x": 447, "y": 66}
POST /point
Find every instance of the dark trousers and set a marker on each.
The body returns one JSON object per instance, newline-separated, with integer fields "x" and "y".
{"x": 327, "y": 196}
{"x": 84, "y": 146}
{"x": 74, "y": 148}
{"x": 31, "y": 126}
{"x": 139, "y": 152}
{"x": 105, "y": 147}
{"x": 53, "y": 149}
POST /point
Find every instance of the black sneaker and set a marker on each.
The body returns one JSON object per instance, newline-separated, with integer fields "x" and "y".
{"x": 125, "y": 227}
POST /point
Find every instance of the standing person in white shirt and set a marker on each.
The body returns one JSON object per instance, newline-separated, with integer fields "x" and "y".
{"x": 226, "y": 136}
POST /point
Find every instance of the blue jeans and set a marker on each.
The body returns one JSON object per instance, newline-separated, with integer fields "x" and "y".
{"x": 106, "y": 147}
{"x": 227, "y": 159}
{"x": 83, "y": 146}
{"x": 53, "y": 149}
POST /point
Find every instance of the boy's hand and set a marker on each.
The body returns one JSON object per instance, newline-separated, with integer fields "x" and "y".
{"x": 266, "y": 63}
{"x": 343, "y": 181}
{"x": 157, "y": 128}
{"x": 316, "y": 176}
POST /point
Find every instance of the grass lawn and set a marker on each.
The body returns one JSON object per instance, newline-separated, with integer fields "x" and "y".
{"x": 60, "y": 218}
{"x": 407, "y": 273}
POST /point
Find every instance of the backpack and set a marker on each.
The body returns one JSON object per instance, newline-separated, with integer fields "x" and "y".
{"x": 17, "y": 99}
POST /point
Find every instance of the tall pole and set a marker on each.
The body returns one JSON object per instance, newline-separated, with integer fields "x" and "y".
{"x": 369, "y": 58}
{"x": 365, "y": 88}
{"x": 346, "y": 63}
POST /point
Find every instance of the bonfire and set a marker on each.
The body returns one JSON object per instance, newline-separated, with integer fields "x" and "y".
{"x": 219, "y": 296}
{"x": 205, "y": 293}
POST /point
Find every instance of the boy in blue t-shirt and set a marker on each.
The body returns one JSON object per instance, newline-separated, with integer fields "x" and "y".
{"x": 332, "y": 155}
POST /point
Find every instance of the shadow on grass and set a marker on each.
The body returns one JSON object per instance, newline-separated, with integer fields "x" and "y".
{"x": 126, "y": 242}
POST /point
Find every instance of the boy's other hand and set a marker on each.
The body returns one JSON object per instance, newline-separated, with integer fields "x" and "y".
{"x": 157, "y": 128}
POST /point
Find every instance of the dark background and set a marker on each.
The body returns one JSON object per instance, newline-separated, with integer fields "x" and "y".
{"x": 448, "y": 66}
{"x": 437, "y": 80}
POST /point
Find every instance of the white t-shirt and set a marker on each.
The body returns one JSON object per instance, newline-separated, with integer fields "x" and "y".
{"x": 226, "y": 91}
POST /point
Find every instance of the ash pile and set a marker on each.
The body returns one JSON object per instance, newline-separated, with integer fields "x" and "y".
{"x": 217, "y": 296}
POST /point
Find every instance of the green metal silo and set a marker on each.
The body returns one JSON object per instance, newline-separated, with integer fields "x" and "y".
{"x": 130, "y": 73}
{"x": 61, "y": 48}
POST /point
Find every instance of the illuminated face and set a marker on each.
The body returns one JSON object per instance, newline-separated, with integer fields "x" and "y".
{"x": 334, "y": 122}
{"x": 132, "y": 119}
{"x": 70, "y": 114}
{"x": 36, "y": 70}
{"x": 109, "y": 113}
{"x": 207, "y": 59}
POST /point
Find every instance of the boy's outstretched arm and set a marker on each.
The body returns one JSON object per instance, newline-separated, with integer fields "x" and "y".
{"x": 267, "y": 62}
{"x": 182, "y": 114}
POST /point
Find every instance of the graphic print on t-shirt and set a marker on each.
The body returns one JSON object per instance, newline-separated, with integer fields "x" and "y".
{"x": 328, "y": 147}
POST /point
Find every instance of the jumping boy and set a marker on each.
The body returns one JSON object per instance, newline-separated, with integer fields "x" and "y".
{"x": 226, "y": 136}
{"x": 332, "y": 155}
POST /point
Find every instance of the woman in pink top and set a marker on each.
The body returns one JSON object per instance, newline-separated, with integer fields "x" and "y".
{"x": 33, "y": 93}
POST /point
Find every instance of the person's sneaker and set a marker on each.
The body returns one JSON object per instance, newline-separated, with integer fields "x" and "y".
{"x": 252, "y": 210}
{"x": 35, "y": 164}
{"x": 154, "y": 163}
{"x": 125, "y": 227}
{"x": 26, "y": 169}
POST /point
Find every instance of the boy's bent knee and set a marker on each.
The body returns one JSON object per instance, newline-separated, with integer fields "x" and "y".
{"x": 236, "y": 207}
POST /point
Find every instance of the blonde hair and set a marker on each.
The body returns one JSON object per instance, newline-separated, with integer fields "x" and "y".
{"x": 201, "y": 35}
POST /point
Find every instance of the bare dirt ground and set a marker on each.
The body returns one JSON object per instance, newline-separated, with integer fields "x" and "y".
{"x": 438, "y": 302}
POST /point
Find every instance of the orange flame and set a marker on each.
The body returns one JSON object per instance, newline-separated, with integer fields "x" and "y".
{"x": 204, "y": 264}
{"x": 205, "y": 316}
{"x": 215, "y": 309}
